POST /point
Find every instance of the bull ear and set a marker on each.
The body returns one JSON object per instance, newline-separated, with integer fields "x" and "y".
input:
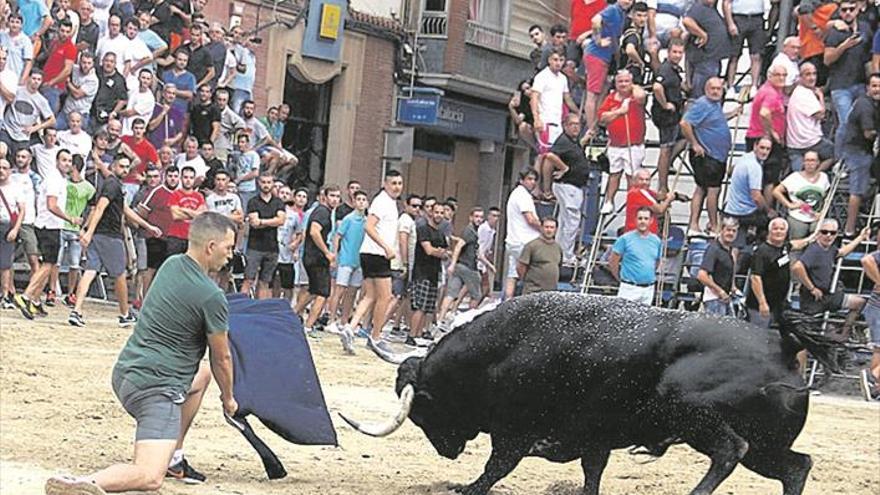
{"x": 408, "y": 373}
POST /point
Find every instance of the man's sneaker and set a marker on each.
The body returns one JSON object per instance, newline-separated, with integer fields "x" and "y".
{"x": 427, "y": 336}
{"x": 184, "y": 472}
{"x": 332, "y": 328}
{"x": 312, "y": 332}
{"x": 37, "y": 309}
{"x": 70, "y": 300}
{"x": 346, "y": 336}
{"x": 363, "y": 333}
{"x": 380, "y": 347}
{"x": 7, "y": 303}
{"x": 417, "y": 342}
{"x": 67, "y": 485}
{"x": 127, "y": 320}
{"x": 870, "y": 388}
{"x": 50, "y": 299}
{"x": 75, "y": 318}
{"x": 607, "y": 208}
{"x": 23, "y": 305}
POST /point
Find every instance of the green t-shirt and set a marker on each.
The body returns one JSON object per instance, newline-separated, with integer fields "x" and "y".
{"x": 181, "y": 309}
{"x": 543, "y": 259}
{"x": 78, "y": 196}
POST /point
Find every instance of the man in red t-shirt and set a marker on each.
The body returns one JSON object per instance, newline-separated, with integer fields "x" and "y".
{"x": 62, "y": 55}
{"x": 156, "y": 209}
{"x": 582, "y": 13}
{"x": 185, "y": 204}
{"x": 640, "y": 195}
{"x": 623, "y": 114}
{"x": 145, "y": 151}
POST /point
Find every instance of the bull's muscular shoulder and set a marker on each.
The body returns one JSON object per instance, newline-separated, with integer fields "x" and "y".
{"x": 530, "y": 331}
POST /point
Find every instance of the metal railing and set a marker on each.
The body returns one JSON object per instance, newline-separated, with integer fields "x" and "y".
{"x": 492, "y": 38}
{"x": 433, "y": 24}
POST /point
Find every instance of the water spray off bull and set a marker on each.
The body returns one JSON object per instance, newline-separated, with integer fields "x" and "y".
{"x": 566, "y": 377}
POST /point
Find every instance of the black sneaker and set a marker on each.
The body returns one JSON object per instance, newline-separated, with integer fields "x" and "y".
{"x": 7, "y": 302}
{"x": 411, "y": 341}
{"x": 427, "y": 336}
{"x": 23, "y": 305}
{"x": 38, "y": 309}
{"x": 76, "y": 319}
{"x": 182, "y": 471}
{"x": 127, "y": 320}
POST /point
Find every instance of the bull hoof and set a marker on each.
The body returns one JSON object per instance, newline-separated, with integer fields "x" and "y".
{"x": 469, "y": 490}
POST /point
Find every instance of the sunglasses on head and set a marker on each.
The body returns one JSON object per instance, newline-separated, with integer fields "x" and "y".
{"x": 828, "y": 232}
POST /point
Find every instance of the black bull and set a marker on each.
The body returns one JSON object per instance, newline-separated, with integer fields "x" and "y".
{"x": 565, "y": 377}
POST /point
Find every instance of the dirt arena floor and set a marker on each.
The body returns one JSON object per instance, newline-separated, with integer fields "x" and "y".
{"x": 58, "y": 415}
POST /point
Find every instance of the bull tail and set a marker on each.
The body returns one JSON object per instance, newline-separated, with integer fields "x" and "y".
{"x": 800, "y": 331}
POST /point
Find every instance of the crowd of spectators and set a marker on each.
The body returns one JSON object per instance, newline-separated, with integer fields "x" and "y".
{"x": 123, "y": 123}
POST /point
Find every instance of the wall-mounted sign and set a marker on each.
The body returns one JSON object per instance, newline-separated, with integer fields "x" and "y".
{"x": 323, "y": 35}
{"x": 419, "y": 109}
{"x": 331, "y": 21}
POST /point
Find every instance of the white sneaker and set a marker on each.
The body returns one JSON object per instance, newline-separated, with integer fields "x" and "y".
{"x": 346, "y": 336}
{"x": 607, "y": 208}
{"x": 332, "y": 328}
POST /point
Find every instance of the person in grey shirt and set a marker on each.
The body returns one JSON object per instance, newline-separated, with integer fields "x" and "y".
{"x": 28, "y": 113}
{"x": 230, "y": 123}
{"x": 81, "y": 90}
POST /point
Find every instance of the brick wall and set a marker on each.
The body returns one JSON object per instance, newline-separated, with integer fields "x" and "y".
{"x": 374, "y": 112}
{"x": 219, "y": 11}
{"x": 457, "y": 15}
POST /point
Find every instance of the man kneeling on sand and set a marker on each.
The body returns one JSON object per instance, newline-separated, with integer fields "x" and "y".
{"x": 158, "y": 376}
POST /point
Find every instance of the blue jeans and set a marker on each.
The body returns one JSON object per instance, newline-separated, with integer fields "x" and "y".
{"x": 872, "y": 316}
{"x": 716, "y": 307}
{"x": 239, "y": 96}
{"x": 858, "y": 163}
{"x": 843, "y": 101}
{"x": 53, "y": 95}
{"x": 703, "y": 71}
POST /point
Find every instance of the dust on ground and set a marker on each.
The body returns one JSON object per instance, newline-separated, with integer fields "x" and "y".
{"x": 58, "y": 415}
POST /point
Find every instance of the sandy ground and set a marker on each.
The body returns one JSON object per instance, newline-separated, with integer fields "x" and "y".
{"x": 58, "y": 415}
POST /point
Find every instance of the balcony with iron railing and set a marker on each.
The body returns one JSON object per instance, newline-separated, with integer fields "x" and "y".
{"x": 494, "y": 39}
{"x": 433, "y": 25}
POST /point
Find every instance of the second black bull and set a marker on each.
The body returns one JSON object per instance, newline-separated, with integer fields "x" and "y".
{"x": 565, "y": 377}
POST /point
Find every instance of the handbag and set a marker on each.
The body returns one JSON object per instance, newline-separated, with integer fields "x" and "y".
{"x": 13, "y": 217}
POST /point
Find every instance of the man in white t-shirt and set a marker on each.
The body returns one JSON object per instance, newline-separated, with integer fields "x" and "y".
{"x": 191, "y": 158}
{"x": 141, "y": 102}
{"x": 114, "y": 42}
{"x": 137, "y": 55}
{"x": 377, "y": 251}
{"x": 486, "y": 251}
{"x": 75, "y": 139}
{"x": 50, "y": 219}
{"x": 803, "y": 119}
{"x": 523, "y": 226}
{"x": 45, "y": 153}
{"x": 8, "y": 82}
{"x": 788, "y": 58}
{"x": 12, "y": 203}
{"x": 549, "y": 93}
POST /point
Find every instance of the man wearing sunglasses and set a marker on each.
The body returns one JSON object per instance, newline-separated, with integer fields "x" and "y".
{"x": 815, "y": 271}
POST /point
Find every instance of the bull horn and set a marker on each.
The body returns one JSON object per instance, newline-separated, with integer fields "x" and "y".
{"x": 383, "y": 430}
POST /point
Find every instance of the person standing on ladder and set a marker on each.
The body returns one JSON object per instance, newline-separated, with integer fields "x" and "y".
{"x": 571, "y": 174}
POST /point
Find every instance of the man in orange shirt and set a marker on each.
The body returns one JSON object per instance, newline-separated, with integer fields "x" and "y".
{"x": 813, "y": 16}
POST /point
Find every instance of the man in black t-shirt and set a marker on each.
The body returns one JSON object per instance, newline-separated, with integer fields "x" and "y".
{"x": 632, "y": 47}
{"x": 206, "y": 149}
{"x": 708, "y": 45}
{"x": 859, "y": 135}
{"x": 347, "y": 206}
{"x": 571, "y": 171}
{"x": 717, "y": 270}
{"x": 771, "y": 274}
{"x": 666, "y": 111}
{"x": 463, "y": 273}
{"x": 200, "y": 62}
{"x": 204, "y": 116}
{"x": 104, "y": 243}
{"x": 317, "y": 257}
{"x": 431, "y": 248}
{"x": 265, "y": 214}
{"x": 815, "y": 271}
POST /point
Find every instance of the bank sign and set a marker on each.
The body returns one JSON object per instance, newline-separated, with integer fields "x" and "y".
{"x": 322, "y": 38}
{"x": 453, "y": 117}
